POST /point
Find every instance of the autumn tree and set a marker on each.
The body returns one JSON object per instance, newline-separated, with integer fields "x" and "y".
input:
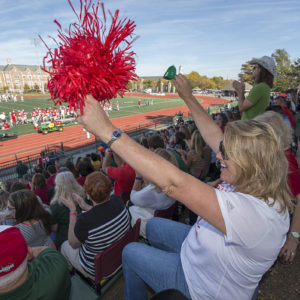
{"x": 36, "y": 87}
{"x": 26, "y": 88}
{"x": 246, "y": 73}
{"x": 147, "y": 83}
{"x": 154, "y": 86}
{"x": 284, "y": 77}
{"x": 295, "y": 73}
{"x": 129, "y": 85}
{"x": 204, "y": 83}
{"x": 194, "y": 79}
{"x": 219, "y": 82}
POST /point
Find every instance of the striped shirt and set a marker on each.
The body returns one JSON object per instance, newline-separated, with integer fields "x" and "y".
{"x": 98, "y": 228}
{"x": 35, "y": 234}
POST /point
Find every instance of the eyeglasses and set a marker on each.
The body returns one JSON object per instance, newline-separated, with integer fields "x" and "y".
{"x": 222, "y": 150}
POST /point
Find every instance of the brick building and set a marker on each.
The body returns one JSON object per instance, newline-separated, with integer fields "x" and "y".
{"x": 16, "y": 76}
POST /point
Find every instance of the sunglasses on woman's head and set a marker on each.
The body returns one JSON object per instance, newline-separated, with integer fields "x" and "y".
{"x": 222, "y": 150}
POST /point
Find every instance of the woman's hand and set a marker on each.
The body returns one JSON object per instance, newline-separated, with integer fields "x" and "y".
{"x": 239, "y": 86}
{"x": 95, "y": 119}
{"x": 183, "y": 86}
{"x": 288, "y": 251}
{"x": 68, "y": 203}
{"x": 80, "y": 201}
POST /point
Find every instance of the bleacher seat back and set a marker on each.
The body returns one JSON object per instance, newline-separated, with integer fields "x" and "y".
{"x": 109, "y": 261}
{"x": 166, "y": 213}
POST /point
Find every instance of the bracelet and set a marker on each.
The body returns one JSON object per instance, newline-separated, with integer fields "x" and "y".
{"x": 138, "y": 178}
{"x": 73, "y": 214}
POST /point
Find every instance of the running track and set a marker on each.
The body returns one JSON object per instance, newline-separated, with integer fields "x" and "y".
{"x": 74, "y": 137}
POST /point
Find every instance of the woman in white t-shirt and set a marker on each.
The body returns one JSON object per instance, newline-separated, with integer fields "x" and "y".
{"x": 237, "y": 236}
{"x": 146, "y": 200}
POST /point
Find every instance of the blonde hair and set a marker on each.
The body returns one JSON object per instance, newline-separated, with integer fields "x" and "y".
{"x": 283, "y": 130}
{"x": 65, "y": 185}
{"x": 197, "y": 143}
{"x": 261, "y": 163}
{"x": 167, "y": 155}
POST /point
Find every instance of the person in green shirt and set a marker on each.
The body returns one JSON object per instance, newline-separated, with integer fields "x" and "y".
{"x": 31, "y": 273}
{"x": 263, "y": 73}
{"x": 65, "y": 186}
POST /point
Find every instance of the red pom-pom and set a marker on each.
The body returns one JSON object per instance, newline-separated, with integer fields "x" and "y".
{"x": 90, "y": 61}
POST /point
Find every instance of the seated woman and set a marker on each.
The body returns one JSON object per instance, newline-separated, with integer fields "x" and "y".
{"x": 32, "y": 219}
{"x": 150, "y": 198}
{"x": 198, "y": 158}
{"x": 96, "y": 229}
{"x": 237, "y": 236}
{"x": 39, "y": 187}
{"x": 65, "y": 186}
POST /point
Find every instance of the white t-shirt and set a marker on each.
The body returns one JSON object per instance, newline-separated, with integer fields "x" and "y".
{"x": 218, "y": 266}
{"x": 146, "y": 201}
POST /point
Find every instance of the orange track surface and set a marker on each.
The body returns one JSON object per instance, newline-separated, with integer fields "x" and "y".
{"x": 74, "y": 137}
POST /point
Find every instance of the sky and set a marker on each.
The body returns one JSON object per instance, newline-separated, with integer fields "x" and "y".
{"x": 212, "y": 37}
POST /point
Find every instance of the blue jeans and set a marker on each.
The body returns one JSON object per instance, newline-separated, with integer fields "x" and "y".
{"x": 158, "y": 265}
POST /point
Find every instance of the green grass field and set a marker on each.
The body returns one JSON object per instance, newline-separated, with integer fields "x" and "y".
{"x": 128, "y": 106}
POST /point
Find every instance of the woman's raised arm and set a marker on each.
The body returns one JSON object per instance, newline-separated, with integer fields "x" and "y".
{"x": 211, "y": 133}
{"x": 198, "y": 196}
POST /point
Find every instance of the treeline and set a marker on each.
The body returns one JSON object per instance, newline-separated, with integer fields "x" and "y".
{"x": 197, "y": 80}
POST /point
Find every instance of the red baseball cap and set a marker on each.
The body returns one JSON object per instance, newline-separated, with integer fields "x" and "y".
{"x": 13, "y": 250}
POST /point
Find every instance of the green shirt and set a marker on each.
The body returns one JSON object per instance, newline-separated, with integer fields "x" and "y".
{"x": 181, "y": 164}
{"x": 260, "y": 97}
{"x": 48, "y": 279}
{"x": 60, "y": 216}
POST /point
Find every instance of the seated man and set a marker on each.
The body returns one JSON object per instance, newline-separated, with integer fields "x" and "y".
{"x": 30, "y": 273}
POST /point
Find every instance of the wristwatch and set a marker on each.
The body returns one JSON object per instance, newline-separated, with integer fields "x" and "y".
{"x": 295, "y": 235}
{"x": 115, "y": 135}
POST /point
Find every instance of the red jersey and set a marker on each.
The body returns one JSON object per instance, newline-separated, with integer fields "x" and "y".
{"x": 13, "y": 116}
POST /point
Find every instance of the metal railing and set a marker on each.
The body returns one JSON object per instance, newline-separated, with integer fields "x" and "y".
{"x": 61, "y": 149}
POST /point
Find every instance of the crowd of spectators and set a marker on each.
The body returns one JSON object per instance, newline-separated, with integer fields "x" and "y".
{"x": 66, "y": 214}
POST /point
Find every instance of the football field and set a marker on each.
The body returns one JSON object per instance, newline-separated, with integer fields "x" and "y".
{"x": 127, "y": 106}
